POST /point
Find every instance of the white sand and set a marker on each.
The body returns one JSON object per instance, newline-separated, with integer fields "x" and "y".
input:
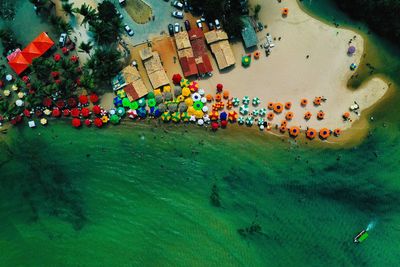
{"x": 286, "y": 75}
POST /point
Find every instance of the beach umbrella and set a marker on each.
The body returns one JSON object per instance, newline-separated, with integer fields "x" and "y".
{"x": 76, "y": 122}
{"x": 9, "y": 77}
{"x": 94, "y": 98}
{"x": 120, "y": 111}
{"x": 244, "y": 109}
{"x": 134, "y": 105}
{"x": 288, "y": 105}
{"x": 192, "y": 118}
{"x": 132, "y": 114}
{"x": 43, "y": 121}
{"x": 255, "y": 112}
{"x": 337, "y": 132}
{"x": 85, "y": 112}
{"x": 142, "y": 102}
{"x": 20, "y": 95}
{"x": 176, "y": 78}
{"x": 229, "y": 104}
{"x": 105, "y": 119}
{"x": 260, "y": 121}
{"x": 278, "y": 108}
{"x": 203, "y": 100}
{"x": 218, "y": 98}
{"x": 196, "y": 97}
{"x": 47, "y": 112}
{"x": 186, "y": 92}
{"x": 285, "y": 11}
{"x": 201, "y": 92}
{"x": 176, "y": 117}
{"x": 27, "y": 113}
{"x": 317, "y": 101}
{"x": 55, "y": 74}
{"x": 38, "y": 113}
{"x": 214, "y": 115}
{"x": 114, "y": 119}
{"x": 320, "y": 115}
{"x": 214, "y": 125}
{"x": 142, "y": 112}
{"x": 189, "y": 102}
{"x": 353, "y": 66}
{"x": 241, "y": 120}
{"x": 25, "y": 79}
{"x": 185, "y": 117}
{"x": 223, "y": 116}
{"x": 31, "y": 124}
{"x": 157, "y": 112}
{"x": 166, "y": 116}
{"x": 261, "y": 127}
{"x": 198, "y": 114}
{"x": 96, "y": 110}
{"x": 64, "y": 50}
{"x": 121, "y": 93}
{"x": 117, "y": 101}
{"x": 294, "y": 131}
{"x": 346, "y": 115}
{"x": 56, "y": 112}
{"x": 204, "y": 109}
{"x": 307, "y": 115}
{"x": 167, "y": 88}
{"x": 249, "y": 121}
{"x": 180, "y": 98}
{"x": 88, "y": 122}
{"x": 47, "y": 102}
{"x": 74, "y": 58}
{"x": 311, "y": 133}
{"x": 232, "y": 116}
{"x": 151, "y": 102}
{"x": 19, "y": 103}
{"x": 209, "y": 98}
{"x": 198, "y": 105}
{"x": 270, "y": 105}
{"x": 351, "y": 50}
{"x": 303, "y": 102}
{"x": 200, "y": 122}
{"x": 246, "y": 100}
{"x": 14, "y": 87}
{"x": 191, "y": 110}
{"x": 324, "y": 133}
{"x": 225, "y": 94}
{"x": 256, "y": 101}
{"x": 60, "y": 103}
{"x": 126, "y": 102}
{"x": 57, "y": 57}
{"x": 75, "y": 112}
{"x": 72, "y": 102}
{"x": 282, "y": 129}
{"x": 263, "y": 112}
{"x": 194, "y": 86}
{"x": 6, "y": 92}
{"x": 246, "y": 60}
{"x": 289, "y": 115}
{"x": 98, "y": 122}
{"x": 150, "y": 95}
{"x": 206, "y": 118}
{"x": 220, "y": 87}
{"x": 224, "y": 123}
{"x": 66, "y": 112}
{"x": 184, "y": 83}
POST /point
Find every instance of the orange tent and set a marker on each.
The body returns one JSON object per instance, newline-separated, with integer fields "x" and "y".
{"x": 19, "y": 63}
{"x": 31, "y": 52}
{"x": 43, "y": 42}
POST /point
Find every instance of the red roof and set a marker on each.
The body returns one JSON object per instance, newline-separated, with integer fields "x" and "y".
{"x": 31, "y": 52}
{"x": 43, "y": 42}
{"x": 199, "y": 47}
{"x": 19, "y": 63}
{"x": 205, "y": 66}
{"x": 195, "y": 33}
{"x": 188, "y": 66}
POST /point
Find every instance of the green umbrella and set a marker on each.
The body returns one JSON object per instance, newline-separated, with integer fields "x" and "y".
{"x": 241, "y": 120}
{"x": 246, "y": 60}
{"x": 244, "y": 109}
{"x": 185, "y": 116}
{"x": 198, "y": 105}
{"x": 235, "y": 102}
{"x": 134, "y": 105}
{"x": 256, "y": 101}
{"x": 249, "y": 121}
{"x": 176, "y": 117}
{"x": 263, "y": 112}
{"x": 114, "y": 119}
{"x": 166, "y": 116}
{"x": 126, "y": 102}
{"x": 246, "y": 100}
{"x": 150, "y": 95}
{"x": 120, "y": 111}
{"x": 142, "y": 102}
{"x": 260, "y": 122}
{"x": 255, "y": 112}
{"x": 151, "y": 102}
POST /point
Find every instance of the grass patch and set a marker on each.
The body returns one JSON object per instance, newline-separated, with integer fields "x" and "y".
{"x": 139, "y": 11}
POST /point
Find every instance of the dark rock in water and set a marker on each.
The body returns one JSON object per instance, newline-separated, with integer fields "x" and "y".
{"x": 214, "y": 197}
{"x": 254, "y": 228}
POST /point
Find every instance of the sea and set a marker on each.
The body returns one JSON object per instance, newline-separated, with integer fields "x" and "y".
{"x": 154, "y": 194}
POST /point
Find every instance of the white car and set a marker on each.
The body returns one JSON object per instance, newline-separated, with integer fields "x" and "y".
{"x": 217, "y": 24}
{"x": 269, "y": 39}
{"x": 62, "y": 40}
{"x": 178, "y": 4}
{"x": 128, "y": 30}
{"x": 177, "y": 27}
{"x": 199, "y": 24}
{"x": 177, "y": 14}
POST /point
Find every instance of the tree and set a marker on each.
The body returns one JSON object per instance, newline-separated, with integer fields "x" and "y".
{"x": 60, "y": 25}
{"x": 68, "y": 8}
{"x": 86, "y": 47}
{"x": 257, "y": 10}
{"x": 42, "y": 68}
{"x": 88, "y": 13}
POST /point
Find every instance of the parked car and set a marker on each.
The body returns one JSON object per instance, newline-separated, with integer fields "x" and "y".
{"x": 62, "y": 40}
{"x": 202, "y": 18}
{"x": 171, "y": 29}
{"x": 198, "y": 23}
{"x": 178, "y": 5}
{"x": 119, "y": 14}
{"x": 177, "y": 27}
{"x": 187, "y": 25}
{"x": 122, "y": 2}
{"x": 217, "y": 24}
{"x": 186, "y": 6}
{"x": 128, "y": 30}
{"x": 177, "y": 14}
{"x": 210, "y": 26}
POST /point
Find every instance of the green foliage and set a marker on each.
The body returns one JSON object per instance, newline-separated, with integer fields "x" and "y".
{"x": 8, "y": 39}
{"x": 89, "y": 14}
{"x": 7, "y": 9}
{"x": 257, "y": 10}
{"x": 86, "y": 47}
{"x": 60, "y": 25}
{"x": 68, "y": 8}
{"x": 42, "y": 68}
{"x": 382, "y": 16}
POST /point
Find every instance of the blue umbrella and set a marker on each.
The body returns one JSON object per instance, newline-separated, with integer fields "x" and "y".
{"x": 157, "y": 113}
{"x": 223, "y": 116}
{"x": 142, "y": 112}
{"x": 117, "y": 101}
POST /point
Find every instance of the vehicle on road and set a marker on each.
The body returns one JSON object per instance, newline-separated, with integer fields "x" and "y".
{"x": 128, "y": 30}
{"x": 177, "y": 14}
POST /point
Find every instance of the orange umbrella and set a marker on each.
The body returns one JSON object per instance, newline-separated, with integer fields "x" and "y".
{"x": 284, "y": 123}
{"x": 214, "y": 115}
{"x": 226, "y": 94}
{"x": 346, "y": 115}
{"x": 288, "y": 105}
{"x": 320, "y": 115}
{"x": 270, "y": 116}
{"x": 278, "y": 107}
{"x": 229, "y": 104}
{"x": 317, "y": 101}
{"x": 304, "y": 102}
{"x": 282, "y": 128}
{"x": 270, "y": 105}
{"x": 289, "y": 115}
{"x": 257, "y": 54}
{"x": 324, "y": 133}
{"x": 294, "y": 131}
{"x": 285, "y": 11}
{"x": 218, "y": 97}
{"x": 307, "y": 115}
{"x": 337, "y": 132}
{"x": 311, "y": 133}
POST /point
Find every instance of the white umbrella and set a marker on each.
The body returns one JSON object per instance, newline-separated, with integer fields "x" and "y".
{"x": 200, "y": 122}
{"x": 19, "y": 103}
{"x": 201, "y": 92}
{"x": 196, "y": 97}
{"x": 203, "y": 99}
{"x": 204, "y": 109}
{"x": 9, "y": 77}
{"x": 192, "y": 118}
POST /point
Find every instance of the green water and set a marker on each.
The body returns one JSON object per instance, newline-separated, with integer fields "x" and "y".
{"x": 139, "y": 195}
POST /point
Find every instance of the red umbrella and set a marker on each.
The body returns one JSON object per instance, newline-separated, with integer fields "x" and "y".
{"x": 71, "y": 102}
{"x": 64, "y": 50}
{"x": 60, "y": 103}
{"x": 88, "y": 122}
{"x": 176, "y": 78}
{"x": 85, "y": 112}
{"x": 76, "y": 122}
{"x": 27, "y": 113}
{"x": 57, "y": 57}
{"x": 66, "y": 112}
{"x": 74, "y": 58}
{"x": 1, "y": 84}
{"x": 94, "y": 98}
{"x": 224, "y": 123}
{"x": 98, "y": 122}
{"x": 75, "y": 112}
{"x": 56, "y": 112}
{"x": 78, "y": 82}
{"x": 55, "y": 74}
{"x": 96, "y": 109}
{"x": 25, "y": 79}
{"x": 214, "y": 125}
{"x": 83, "y": 99}
{"x": 58, "y": 81}
{"x": 38, "y": 113}
{"x": 219, "y": 87}
{"x": 46, "y": 102}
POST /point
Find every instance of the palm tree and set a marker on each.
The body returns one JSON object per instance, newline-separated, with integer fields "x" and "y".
{"x": 88, "y": 13}
{"x": 85, "y": 47}
{"x": 68, "y": 8}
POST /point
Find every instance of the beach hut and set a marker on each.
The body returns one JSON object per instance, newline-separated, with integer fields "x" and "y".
{"x": 19, "y": 63}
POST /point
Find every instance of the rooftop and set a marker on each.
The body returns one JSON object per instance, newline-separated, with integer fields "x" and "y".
{"x": 215, "y": 36}
{"x": 182, "y": 40}
{"x": 223, "y": 54}
{"x": 248, "y": 33}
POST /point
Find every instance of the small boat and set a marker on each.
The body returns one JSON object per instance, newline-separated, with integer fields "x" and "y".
{"x": 361, "y": 236}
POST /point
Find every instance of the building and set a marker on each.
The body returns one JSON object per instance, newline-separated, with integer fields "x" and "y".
{"x": 220, "y": 47}
{"x": 155, "y": 70}
{"x": 248, "y": 33}
{"x": 198, "y": 42}
{"x": 185, "y": 54}
{"x": 131, "y": 82}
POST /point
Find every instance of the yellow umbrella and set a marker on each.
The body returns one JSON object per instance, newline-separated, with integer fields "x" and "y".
{"x": 7, "y": 92}
{"x": 47, "y": 112}
{"x": 104, "y": 119}
{"x": 21, "y": 95}
{"x": 180, "y": 98}
{"x": 189, "y": 102}
{"x": 198, "y": 114}
{"x": 157, "y": 92}
{"x": 43, "y": 121}
{"x": 186, "y": 92}
{"x": 191, "y": 110}
{"x": 14, "y": 87}
{"x": 167, "y": 88}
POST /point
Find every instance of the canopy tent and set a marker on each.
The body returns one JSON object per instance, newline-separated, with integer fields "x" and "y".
{"x": 19, "y": 63}
{"x": 43, "y": 42}
{"x": 31, "y": 52}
